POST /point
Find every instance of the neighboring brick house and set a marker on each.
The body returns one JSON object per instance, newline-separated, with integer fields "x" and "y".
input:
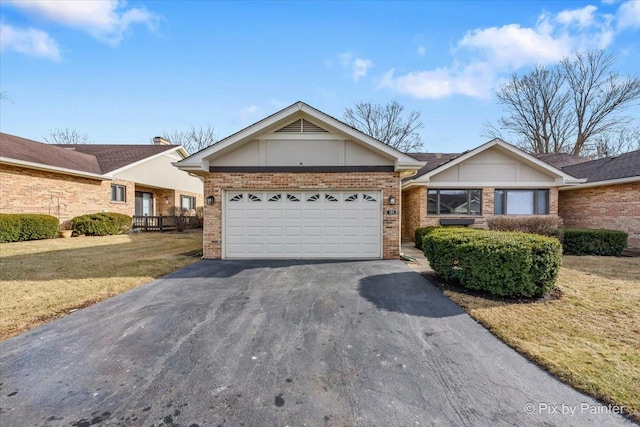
{"x": 495, "y": 178}
{"x": 71, "y": 180}
{"x": 610, "y": 197}
{"x": 301, "y": 184}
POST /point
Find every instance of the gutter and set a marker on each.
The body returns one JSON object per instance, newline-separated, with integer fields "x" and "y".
{"x": 48, "y": 168}
{"x": 584, "y": 184}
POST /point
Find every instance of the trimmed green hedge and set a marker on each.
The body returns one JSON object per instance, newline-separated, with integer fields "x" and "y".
{"x": 21, "y": 227}
{"x": 420, "y": 233}
{"x": 101, "y": 224}
{"x": 506, "y": 264}
{"x": 583, "y": 241}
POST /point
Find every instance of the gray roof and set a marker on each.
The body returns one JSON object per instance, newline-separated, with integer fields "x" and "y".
{"x": 615, "y": 167}
{"x": 114, "y": 156}
{"x": 434, "y": 160}
{"x": 27, "y": 150}
{"x": 97, "y": 159}
{"x": 560, "y": 160}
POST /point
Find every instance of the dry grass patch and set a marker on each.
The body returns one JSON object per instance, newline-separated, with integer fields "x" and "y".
{"x": 46, "y": 279}
{"x": 589, "y": 336}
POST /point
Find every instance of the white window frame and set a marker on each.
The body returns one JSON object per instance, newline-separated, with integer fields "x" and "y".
{"x": 192, "y": 202}
{"x": 118, "y": 190}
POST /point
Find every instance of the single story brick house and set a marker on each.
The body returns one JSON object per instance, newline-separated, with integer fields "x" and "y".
{"x": 609, "y": 197}
{"x": 302, "y": 184}
{"x": 71, "y": 180}
{"x": 495, "y": 178}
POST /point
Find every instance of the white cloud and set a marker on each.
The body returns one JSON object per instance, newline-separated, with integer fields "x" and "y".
{"x": 485, "y": 55}
{"x": 581, "y": 17}
{"x": 471, "y": 80}
{"x": 248, "y": 114}
{"x": 629, "y": 15}
{"x": 421, "y": 50}
{"x": 358, "y": 67}
{"x": 29, "y": 42}
{"x": 513, "y": 46}
{"x": 106, "y": 20}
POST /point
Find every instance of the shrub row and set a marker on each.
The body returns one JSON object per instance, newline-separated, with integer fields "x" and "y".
{"x": 579, "y": 241}
{"x": 544, "y": 225}
{"x": 420, "y": 233}
{"x": 101, "y": 224}
{"x": 21, "y": 227}
{"x": 507, "y": 264}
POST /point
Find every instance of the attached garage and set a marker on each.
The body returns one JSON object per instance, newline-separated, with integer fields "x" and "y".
{"x": 301, "y": 184}
{"x": 302, "y": 224}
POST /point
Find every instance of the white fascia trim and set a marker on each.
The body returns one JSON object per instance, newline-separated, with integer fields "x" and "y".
{"x": 197, "y": 161}
{"x": 413, "y": 167}
{"x": 602, "y": 183}
{"x": 179, "y": 148}
{"x": 403, "y": 161}
{"x": 565, "y": 176}
{"x": 43, "y": 167}
{"x": 475, "y": 184}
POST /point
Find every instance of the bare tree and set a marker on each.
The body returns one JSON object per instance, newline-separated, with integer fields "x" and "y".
{"x": 613, "y": 143}
{"x": 562, "y": 107}
{"x": 598, "y": 95}
{"x": 67, "y": 136}
{"x": 386, "y": 124}
{"x": 194, "y": 139}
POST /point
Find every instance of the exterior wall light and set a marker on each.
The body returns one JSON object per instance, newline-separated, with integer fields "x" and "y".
{"x": 211, "y": 200}
{"x": 392, "y": 200}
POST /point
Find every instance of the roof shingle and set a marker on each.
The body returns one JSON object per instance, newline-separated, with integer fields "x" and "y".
{"x": 15, "y": 147}
{"x": 114, "y": 156}
{"x": 97, "y": 159}
{"x": 615, "y": 167}
{"x": 434, "y": 160}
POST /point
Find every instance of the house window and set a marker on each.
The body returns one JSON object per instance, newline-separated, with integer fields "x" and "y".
{"x": 454, "y": 202}
{"x": 521, "y": 202}
{"x": 187, "y": 202}
{"x": 118, "y": 193}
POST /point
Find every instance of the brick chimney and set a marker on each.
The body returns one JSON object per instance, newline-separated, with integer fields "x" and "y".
{"x": 158, "y": 140}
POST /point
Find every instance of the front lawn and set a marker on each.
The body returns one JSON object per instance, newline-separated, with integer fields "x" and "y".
{"x": 589, "y": 336}
{"x": 46, "y": 279}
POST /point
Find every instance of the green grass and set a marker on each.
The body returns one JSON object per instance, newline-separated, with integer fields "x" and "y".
{"x": 46, "y": 279}
{"x": 589, "y": 336}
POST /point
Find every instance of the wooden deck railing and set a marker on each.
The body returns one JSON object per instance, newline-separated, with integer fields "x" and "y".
{"x": 165, "y": 223}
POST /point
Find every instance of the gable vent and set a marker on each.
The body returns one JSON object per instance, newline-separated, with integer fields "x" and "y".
{"x": 301, "y": 126}
{"x": 310, "y": 127}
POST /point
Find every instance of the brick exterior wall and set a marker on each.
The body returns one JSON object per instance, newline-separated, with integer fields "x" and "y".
{"x": 414, "y": 209}
{"x": 24, "y": 190}
{"x": 615, "y": 207}
{"x": 414, "y": 213}
{"x": 165, "y": 199}
{"x": 387, "y": 182}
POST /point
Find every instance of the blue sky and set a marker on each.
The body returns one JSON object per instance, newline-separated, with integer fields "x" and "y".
{"x": 122, "y": 72}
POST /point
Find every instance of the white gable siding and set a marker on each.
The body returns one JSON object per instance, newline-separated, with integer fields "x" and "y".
{"x": 159, "y": 172}
{"x": 490, "y": 167}
{"x": 303, "y": 151}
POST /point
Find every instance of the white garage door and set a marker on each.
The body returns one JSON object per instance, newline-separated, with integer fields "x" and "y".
{"x": 302, "y": 224}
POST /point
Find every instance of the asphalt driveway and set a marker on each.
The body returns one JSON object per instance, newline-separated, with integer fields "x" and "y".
{"x": 276, "y": 343}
